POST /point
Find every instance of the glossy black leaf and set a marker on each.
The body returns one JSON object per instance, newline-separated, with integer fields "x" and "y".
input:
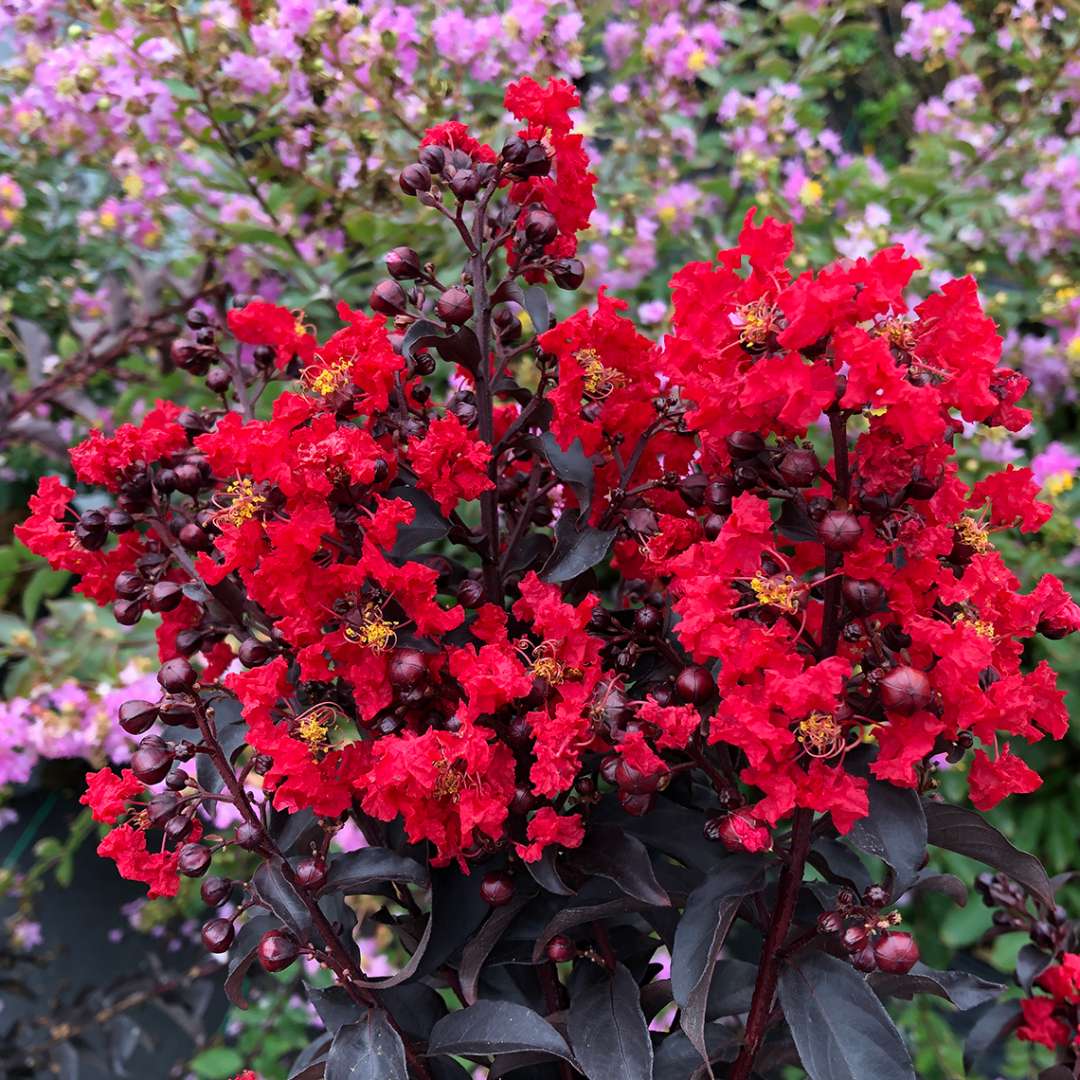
{"x": 840, "y": 1028}
{"x": 359, "y": 870}
{"x": 537, "y": 305}
{"x": 612, "y": 853}
{"x": 369, "y": 1049}
{"x": 577, "y": 550}
{"x": 545, "y": 872}
{"x": 413, "y": 1006}
{"x": 457, "y": 909}
{"x": 294, "y": 831}
{"x": 991, "y": 1027}
{"x": 732, "y": 989}
{"x": 310, "y": 1063}
{"x": 478, "y": 948}
{"x": 1030, "y": 964}
{"x": 597, "y": 900}
{"x": 461, "y": 347}
{"x": 274, "y": 889}
{"x": 964, "y": 990}
{"x": 334, "y": 1006}
{"x": 607, "y": 1029}
{"x": 231, "y": 732}
{"x": 837, "y": 861}
{"x": 894, "y": 831}
{"x": 710, "y": 910}
{"x": 676, "y": 831}
{"x": 243, "y": 954}
{"x": 947, "y": 884}
{"x": 427, "y": 524}
{"x": 969, "y": 833}
{"x": 678, "y": 1059}
{"x": 571, "y": 466}
{"x": 795, "y": 522}
{"x": 496, "y": 1027}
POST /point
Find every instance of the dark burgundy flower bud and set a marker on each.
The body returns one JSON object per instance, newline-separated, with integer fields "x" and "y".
{"x": 178, "y": 711}
{"x": 176, "y": 779}
{"x": 195, "y": 538}
{"x": 178, "y": 827}
{"x": 388, "y": 298}
{"x": 864, "y": 959}
{"x": 875, "y": 896}
{"x": 218, "y": 380}
{"x": 189, "y": 478}
{"x": 497, "y": 888}
{"x": 863, "y": 597}
{"x": 631, "y": 779}
{"x": 150, "y": 764}
{"x": 165, "y": 481}
{"x": 127, "y": 612}
{"x": 465, "y": 184}
{"x": 635, "y": 804}
{"x": 217, "y": 935}
{"x": 414, "y": 178}
{"x": 541, "y": 227}
{"x": 119, "y": 521}
{"x": 744, "y": 445}
{"x": 277, "y": 950}
{"x": 694, "y": 685}
{"x": 692, "y": 488}
{"x": 1055, "y": 627}
{"x": 713, "y": 526}
{"x": 408, "y": 667}
{"x": 515, "y": 150}
{"x": 165, "y": 596}
{"x": 799, "y": 467}
{"x": 470, "y": 593}
{"x": 215, "y": 890}
{"x": 92, "y": 536}
{"x": 311, "y": 873}
{"x": 402, "y": 263}
{"x": 905, "y": 690}
{"x": 648, "y": 620}
{"x": 536, "y": 161}
{"x": 718, "y": 496}
{"x": 855, "y": 938}
{"x": 254, "y": 652}
{"x": 568, "y": 273}
{"x": 830, "y": 922}
{"x": 455, "y": 306}
{"x": 264, "y": 355}
{"x": 161, "y": 808}
{"x": 248, "y": 835}
{"x": 896, "y": 953}
{"x": 433, "y": 158}
{"x": 1043, "y": 935}
{"x": 177, "y": 675}
{"x": 137, "y": 716}
{"x": 196, "y": 319}
{"x": 561, "y": 949}
{"x": 839, "y": 531}
{"x": 193, "y": 860}
{"x": 845, "y": 899}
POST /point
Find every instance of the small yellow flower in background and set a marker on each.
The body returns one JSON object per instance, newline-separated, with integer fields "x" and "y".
{"x": 811, "y": 193}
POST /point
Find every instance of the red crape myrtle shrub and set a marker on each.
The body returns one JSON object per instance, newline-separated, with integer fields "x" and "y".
{"x": 605, "y": 645}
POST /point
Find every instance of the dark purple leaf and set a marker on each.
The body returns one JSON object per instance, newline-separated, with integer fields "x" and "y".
{"x": 841, "y": 1030}
{"x": 968, "y": 833}
{"x": 242, "y": 956}
{"x": 358, "y": 870}
{"x": 994, "y": 1024}
{"x": 479, "y": 947}
{"x": 420, "y": 334}
{"x": 947, "y": 884}
{"x": 369, "y": 1049}
{"x": 894, "y": 831}
{"x": 611, "y": 853}
{"x": 571, "y": 466}
{"x": 272, "y": 887}
{"x": 795, "y": 522}
{"x": 427, "y": 525}
{"x": 678, "y": 1059}
{"x": 965, "y": 991}
{"x": 710, "y": 911}
{"x": 576, "y": 550}
{"x": 732, "y": 989}
{"x": 607, "y": 1029}
{"x": 496, "y": 1027}
{"x": 536, "y": 303}
{"x": 1030, "y": 964}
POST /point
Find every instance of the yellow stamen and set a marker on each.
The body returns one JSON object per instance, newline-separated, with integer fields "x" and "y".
{"x": 756, "y": 320}
{"x": 980, "y": 626}
{"x": 600, "y": 381}
{"x": 245, "y": 503}
{"x": 821, "y": 735}
{"x": 449, "y": 782}
{"x": 973, "y": 534}
{"x": 776, "y": 592}
{"x": 898, "y": 333}
{"x": 374, "y": 631}
{"x": 330, "y": 379}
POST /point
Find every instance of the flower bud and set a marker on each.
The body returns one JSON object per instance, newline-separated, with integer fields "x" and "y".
{"x": 515, "y": 150}
{"x": 277, "y": 950}
{"x": 254, "y": 652}
{"x": 541, "y": 227}
{"x": 137, "y": 716}
{"x": 127, "y": 612}
{"x": 407, "y": 668}
{"x": 798, "y": 467}
{"x": 905, "y": 690}
{"x": 388, "y": 298}
{"x": 865, "y": 960}
{"x": 855, "y": 938}
{"x": 455, "y": 306}
{"x": 470, "y": 593}
{"x": 568, "y": 273}
{"x": 217, "y": 935}
{"x": 497, "y": 888}
{"x": 151, "y": 763}
{"x": 839, "y": 530}
{"x": 177, "y": 675}
{"x": 744, "y": 445}
{"x": 215, "y": 890}
{"x": 165, "y": 596}
{"x": 402, "y": 263}
{"x": 561, "y": 949}
{"x": 862, "y": 596}
{"x": 414, "y": 178}
{"x": 896, "y": 953}
{"x": 694, "y": 685}
{"x": 465, "y": 184}
{"x": 829, "y": 922}
{"x": 194, "y": 538}
{"x": 248, "y": 836}
{"x": 433, "y": 158}
{"x": 193, "y": 860}
{"x": 311, "y": 873}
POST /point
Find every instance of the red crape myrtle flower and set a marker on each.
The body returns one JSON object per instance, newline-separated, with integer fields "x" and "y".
{"x": 546, "y": 614}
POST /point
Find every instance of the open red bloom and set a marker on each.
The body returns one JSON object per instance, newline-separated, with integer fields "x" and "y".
{"x": 107, "y": 794}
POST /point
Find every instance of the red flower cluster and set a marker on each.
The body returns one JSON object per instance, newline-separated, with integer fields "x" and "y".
{"x": 1055, "y": 1020}
{"x": 798, "y": 571}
